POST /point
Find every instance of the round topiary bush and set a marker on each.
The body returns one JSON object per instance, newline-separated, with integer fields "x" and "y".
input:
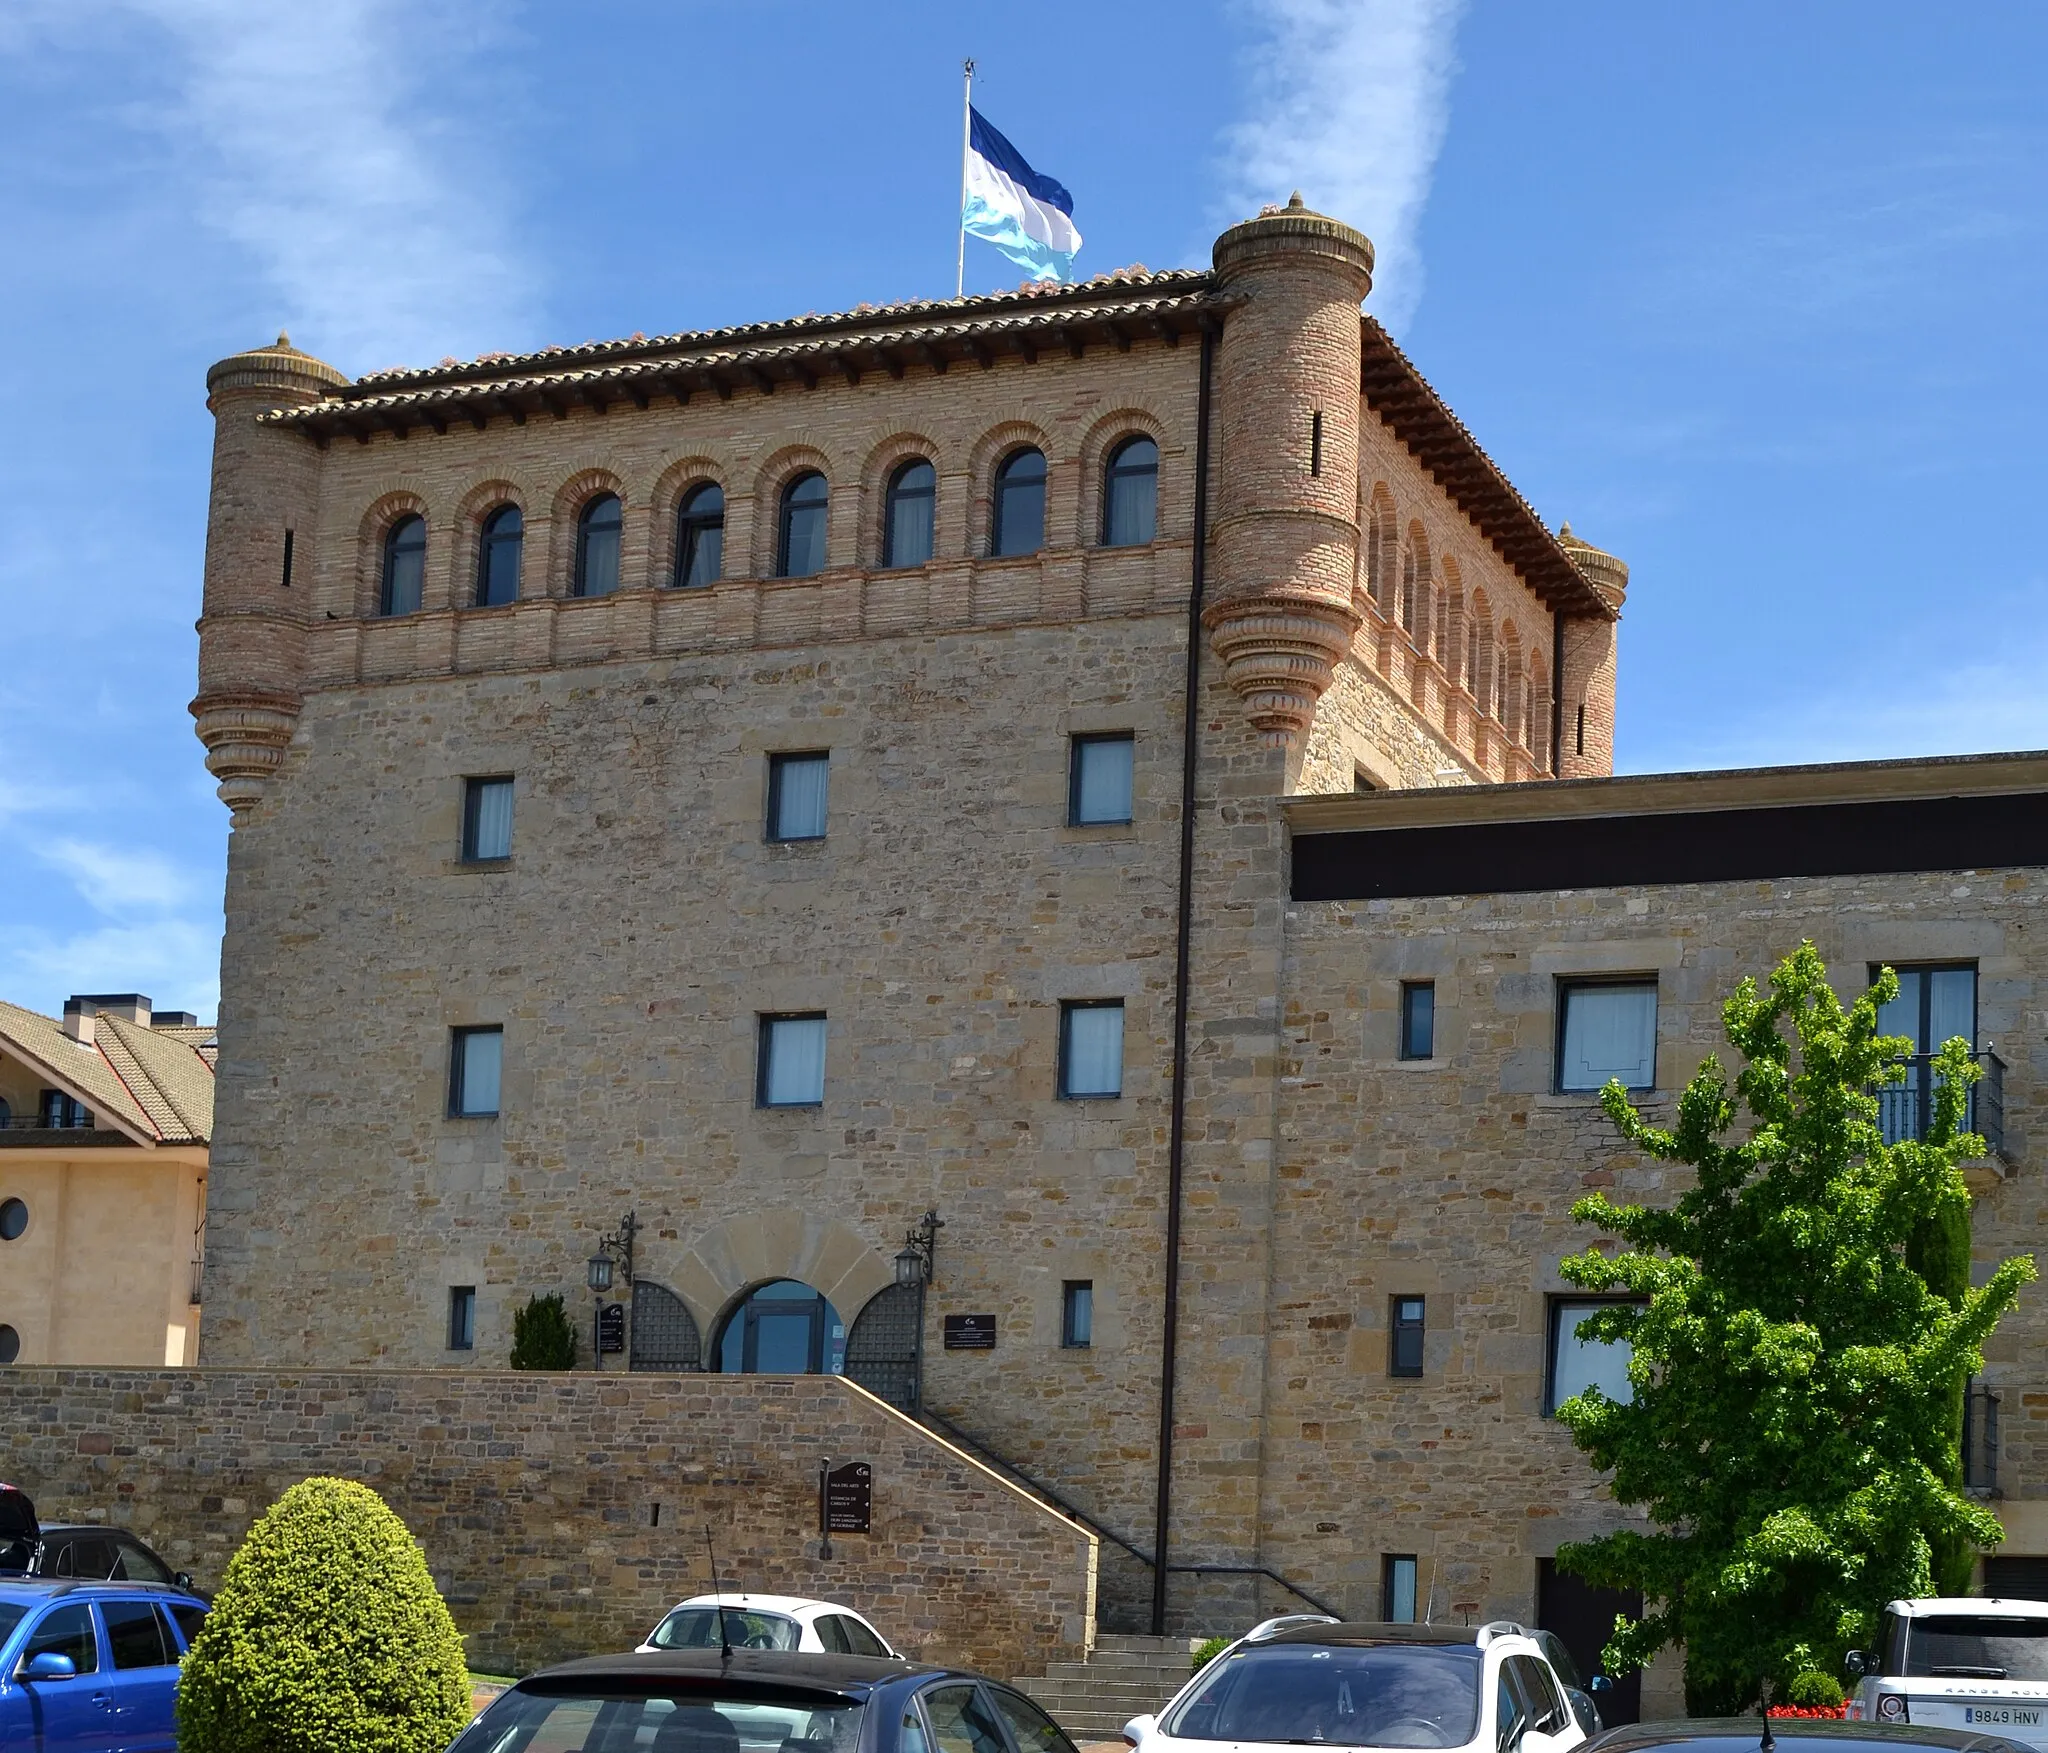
{"x": 328, "y": 1636}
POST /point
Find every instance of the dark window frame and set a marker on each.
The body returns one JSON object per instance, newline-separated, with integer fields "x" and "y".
{"x": 1413, "y": 1024}
{"x": 1116, "y": 470}
{"x": 1001, "y": 485}
{"x": 763, "y": 1052}
{"x": 1387, "y": 1562}
{"x": 492, "y": 536}
{"x": 1567, "y": 984}
{"x": 695, "y": 521}
{"x": 786, "y": 506}
{"x": 472, "y": 812}
{"x": 1971, "y": 966}
{"x": 1068, "y": 1008}
{"x": 1554, "y": 1306}
{"x": 397, "y": 540}
{"x": 586, "y": 522}
{"x": 896, "y": 494}
{"x": 1399, "y": 1328}
{"x": 1074, "y": 1294}
{"x": 1089, "y": 739}
{"x": 458, "y": 1056}
{"x": 779, "y": 763}
{"x": 462, "y": 1317}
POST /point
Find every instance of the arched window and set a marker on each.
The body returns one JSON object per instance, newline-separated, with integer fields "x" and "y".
{"x": 1020, "y": 504}
{"x": 597, "y": 547}
{"x": 700, "y": 535}
{"x": 405, "y": 566}
{"x": 783, "y": 1329}
{"x": 497, "y": 557}
{"x": 1130, "y": 494}
{"x": 800, "y": 536}
{"x": 907, "y": 514}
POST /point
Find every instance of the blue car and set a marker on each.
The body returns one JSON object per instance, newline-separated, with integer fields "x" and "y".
{"x": 92, "y": 1667}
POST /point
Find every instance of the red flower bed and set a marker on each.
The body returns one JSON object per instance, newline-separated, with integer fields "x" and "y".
{"x": 1822, "y": 1710}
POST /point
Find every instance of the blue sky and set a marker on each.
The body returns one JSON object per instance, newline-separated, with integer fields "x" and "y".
{"x": 1748, "y": 292}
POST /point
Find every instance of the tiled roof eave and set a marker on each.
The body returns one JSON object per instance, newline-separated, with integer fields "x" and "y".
{"x": 1441, "y": 443}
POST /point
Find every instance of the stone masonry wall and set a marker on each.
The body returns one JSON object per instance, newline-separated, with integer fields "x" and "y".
{"x": 562, "y": 1514}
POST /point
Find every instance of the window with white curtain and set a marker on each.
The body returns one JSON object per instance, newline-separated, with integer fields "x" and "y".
{"x": 1099, "y": 780}
{"x": 486, "y": 819}
{"x": 796, "y": 796}
{"x": 476, "y": 1062}
{"x": 1091, "y": 1049}
{"x": 792, "y": 1073}
{"x": 1579, "y": 1362}
{"x": 1608, "y": 1029}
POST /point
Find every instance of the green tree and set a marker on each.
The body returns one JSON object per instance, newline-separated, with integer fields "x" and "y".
{"x": 543, "y": 1338}
{"x": 328, "y": 1636}
{"x": 1793, "y": 1428}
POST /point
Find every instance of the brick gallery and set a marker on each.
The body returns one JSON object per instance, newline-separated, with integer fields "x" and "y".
{"x": 1117, "y": 769}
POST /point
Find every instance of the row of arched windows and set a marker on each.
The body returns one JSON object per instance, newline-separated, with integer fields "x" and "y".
{"x": 1130, "y": 492}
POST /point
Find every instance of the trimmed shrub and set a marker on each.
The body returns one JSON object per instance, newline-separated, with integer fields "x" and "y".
{"x": 1811, "y": 1689}
{"x": 543, "y": 1337}
{"x": 1208, "y": 1650}
{"x": 328, "y": 1636}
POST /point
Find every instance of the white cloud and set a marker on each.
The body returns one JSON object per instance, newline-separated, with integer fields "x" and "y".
{"x": 175, "y": 961}
{"x": 120, "y": 880}
{"x": 1348, "y": 104}
{"x": 315, "y": 138}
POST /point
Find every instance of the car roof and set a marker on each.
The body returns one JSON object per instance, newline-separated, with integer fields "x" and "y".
{"x": 1730, "y": 1733}
{"x": 848, "y": 1676}
{"x": 1995, "y": 1605}
{"x": 768, "y": 1603}
{"x": 34, "y": 1588}
{"x": 50, "y": 1528}
{"x": 1363, "y": 1632}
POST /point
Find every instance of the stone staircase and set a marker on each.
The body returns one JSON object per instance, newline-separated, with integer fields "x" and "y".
{"x": 1123, "y": 1677}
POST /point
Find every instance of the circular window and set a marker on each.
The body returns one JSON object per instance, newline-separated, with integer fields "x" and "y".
{"x": 10, "y": 1343}
{"x": 13, "y": 1219}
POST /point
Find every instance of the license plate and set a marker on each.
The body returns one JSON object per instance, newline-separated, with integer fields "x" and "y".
{"x": 2002, "y": 1715}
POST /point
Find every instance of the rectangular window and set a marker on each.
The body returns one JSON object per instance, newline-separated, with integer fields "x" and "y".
{"x": 1315, "y": 443}
{"x": 1577, "y": 1363}
{"x": 486, "y": 819}
{"x": 792, "y": 1073}
{"x": 1607, "y": 1029}
{"x": 60, "y": 1111}
{"x": 796, "y": 796}
{"x": 475, "y": 1060}
{"x": 1397, "y": 1588}
{"x": 286, "y": 580}
{"x": 1091, "y": 1048}
{"x": 1935, "y": 1004}
{"x": 1099, "y": 780}
{"x": 1077, "y": 1314}
{"x": 1404, "y": 1336}
{"x": 462, "y": 1317}
{"x": 1418, "y": 1019}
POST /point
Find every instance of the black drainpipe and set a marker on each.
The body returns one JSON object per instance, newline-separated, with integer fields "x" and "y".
{"x": 1176, "y": 1149}
{"x": 1557, "y": 693}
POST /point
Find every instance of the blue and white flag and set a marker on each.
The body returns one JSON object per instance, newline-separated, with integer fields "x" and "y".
{"x": 1029, "y": 217}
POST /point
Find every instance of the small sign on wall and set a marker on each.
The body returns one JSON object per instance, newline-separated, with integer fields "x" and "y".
{"x": 611, "y": 1327}
{"x": 970, "y": 1332}
{"x": 849, "y": 1498}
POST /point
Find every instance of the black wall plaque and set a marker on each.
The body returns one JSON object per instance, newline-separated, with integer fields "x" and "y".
{"x": 849, "y": 1498}
{"x": 970, "y": 1332}
{"x": 611, "y": 1327}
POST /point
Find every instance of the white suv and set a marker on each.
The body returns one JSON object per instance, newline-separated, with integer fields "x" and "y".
{"x": 1294, "y": 1682}
{"x": 1961, "y": 1663}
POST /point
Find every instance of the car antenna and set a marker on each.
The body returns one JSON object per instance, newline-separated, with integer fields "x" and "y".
{"x": 1429, "y": 1607}
{"x": 1768, "y": 1742}
{"x": 717, "y": 1598}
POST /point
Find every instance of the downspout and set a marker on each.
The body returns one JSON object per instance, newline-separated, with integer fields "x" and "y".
{"x": 1176, "y": 1149}
{"x": 1557, "y": 693}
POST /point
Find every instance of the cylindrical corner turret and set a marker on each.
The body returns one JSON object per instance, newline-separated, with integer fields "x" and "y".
{"x": 1286, "y": 529}
{"x": 252, "y": 627}
{"x": 1586, "y": 686}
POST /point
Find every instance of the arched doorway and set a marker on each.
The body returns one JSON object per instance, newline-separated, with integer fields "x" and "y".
{"x": 783, "y": 1328}
{"x": 881, "y": 1351}
{"x": 664, "y": 1331}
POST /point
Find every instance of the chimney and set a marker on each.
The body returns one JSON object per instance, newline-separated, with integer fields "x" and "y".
{"x": 173, "y": 1019}
{"x": 81, "y": 1008}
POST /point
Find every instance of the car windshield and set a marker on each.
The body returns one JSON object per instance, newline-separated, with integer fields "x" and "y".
{"x": 558, "y": 1719}
{"x": 1977, "y": 1646}
{"x": 10, "y": 1617}
{"x": 696, "y": 1628}
{"x": 1374, "y": 1695}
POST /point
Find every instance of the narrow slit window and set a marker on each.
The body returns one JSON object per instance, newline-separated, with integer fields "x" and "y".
{"x": 286, "y": 579}
{"x": 1091, "y": 1049}
{"x": 1315, "y": 443}
{"x": 486, "y": 819}
{"x": 1397, "y": 1588}
{"x": 1582, "y": 731}
{"x": 797, "y": 796}
{"x": 1077, "y": 1314}
{"x": 1405, "y": 1330}
{"x": 462, "y": 1317}
{"x": 1418, "y": 1019}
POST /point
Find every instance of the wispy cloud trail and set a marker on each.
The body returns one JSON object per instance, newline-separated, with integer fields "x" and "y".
{"x": 1348, "y": 104}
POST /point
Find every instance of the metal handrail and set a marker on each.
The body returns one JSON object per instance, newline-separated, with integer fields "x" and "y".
{"x": 43, "y": 1123}
{"x": 1095, "y": 1526}
{"x": 1904, "y": 1110}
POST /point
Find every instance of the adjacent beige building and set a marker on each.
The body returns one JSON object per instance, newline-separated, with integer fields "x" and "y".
{"x": 105, "y": 1115}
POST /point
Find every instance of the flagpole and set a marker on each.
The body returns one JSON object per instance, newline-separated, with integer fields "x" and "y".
{"x": 966, "y": 139}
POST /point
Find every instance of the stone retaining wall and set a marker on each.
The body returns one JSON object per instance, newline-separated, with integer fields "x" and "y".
{"x": 562, "y": 1513}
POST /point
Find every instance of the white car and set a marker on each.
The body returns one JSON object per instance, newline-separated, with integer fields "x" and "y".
{"x": 1959, "y": 1662}
{"x": 1301, "y": 1681}
{"x": 767, "y": 1622}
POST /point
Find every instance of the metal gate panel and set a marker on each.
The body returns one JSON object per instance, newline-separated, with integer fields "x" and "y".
{"x": 664, "y": 1331}
{"x": 881, "y": 1349}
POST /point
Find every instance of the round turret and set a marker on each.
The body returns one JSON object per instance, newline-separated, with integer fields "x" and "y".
{"x": 1286, "y": 526}
{"x": 1605, "y": 573}
{"x": 252, "y": 628}
{"x": 1586, "y": 682}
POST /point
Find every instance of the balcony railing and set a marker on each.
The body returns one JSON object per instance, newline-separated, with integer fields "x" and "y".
{"x": 1906, "y": 1110}
{"x": 47, "y": 1123}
